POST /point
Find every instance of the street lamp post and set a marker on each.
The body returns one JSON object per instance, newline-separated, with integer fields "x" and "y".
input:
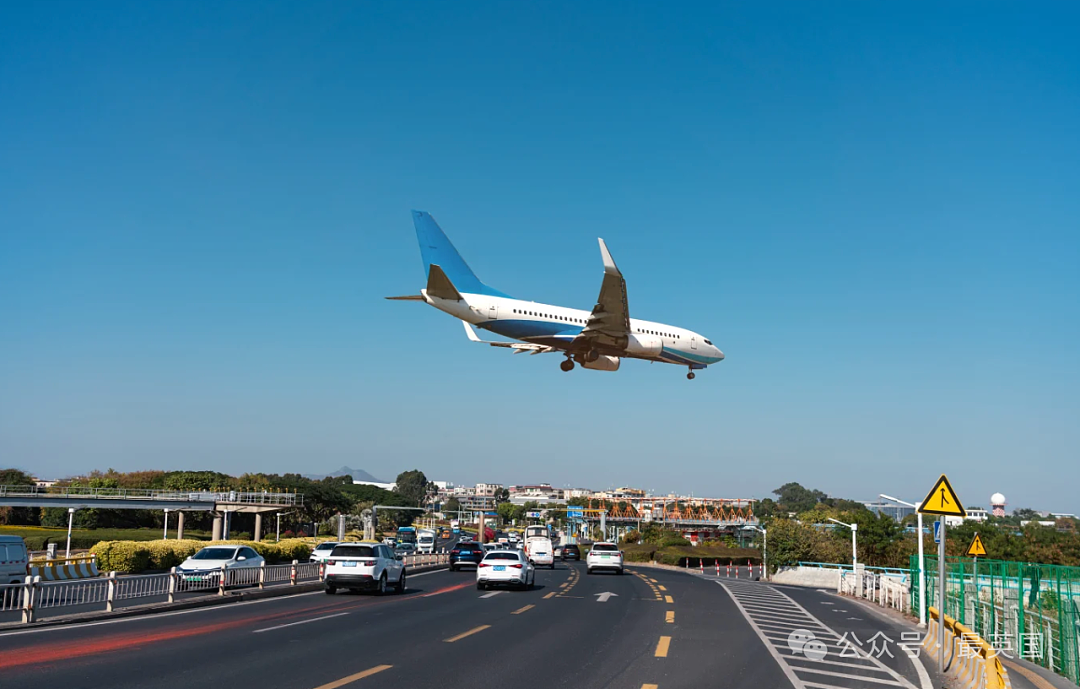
{"x": 764, "y": 548}
{"x": 165, "y": 534}
{"x": 71, "y": 517}
{"x": 922, "y": 560}
{"x": 854, "y": 551}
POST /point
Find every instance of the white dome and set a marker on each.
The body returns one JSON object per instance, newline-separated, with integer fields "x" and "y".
{"x": 997, "y": 499}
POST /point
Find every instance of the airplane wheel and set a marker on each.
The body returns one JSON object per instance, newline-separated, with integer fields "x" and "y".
{"x": 567, "y": 365}
{"x": 690, "y": 376}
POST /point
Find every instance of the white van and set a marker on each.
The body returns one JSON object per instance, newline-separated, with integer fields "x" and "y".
{"x": 13, "y": 560}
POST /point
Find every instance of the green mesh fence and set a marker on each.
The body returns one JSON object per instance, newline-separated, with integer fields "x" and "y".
{"x": 1023, "y": 609}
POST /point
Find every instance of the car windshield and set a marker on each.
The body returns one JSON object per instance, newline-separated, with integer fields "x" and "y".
{"x": 353, "y": 551}
{"x": 468, "y": 546}
{"x": 214, "y": 554}
{"x": 325, "y": 546}
{"x": 501, "y": 556}
{"x": 605, "y": 547}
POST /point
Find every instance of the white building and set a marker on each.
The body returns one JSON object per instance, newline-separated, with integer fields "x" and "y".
{"x": 487, "y": 489}
{"x": 384, "y": 486}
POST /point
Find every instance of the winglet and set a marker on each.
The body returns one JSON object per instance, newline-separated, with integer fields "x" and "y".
{"x": 609, "y": 263}
{"x": 470, "y": 332}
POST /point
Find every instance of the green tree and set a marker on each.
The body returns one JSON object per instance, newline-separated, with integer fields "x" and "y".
{"x": 452, "y": 506}
{"x": 17, "y": 515}
{"x": 502, "y": 495}
{"x": 412, "y": 486}
{"x": 792, "y": 497}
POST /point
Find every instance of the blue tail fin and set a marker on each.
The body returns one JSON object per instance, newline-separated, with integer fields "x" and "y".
{"x": 436, "y": 248}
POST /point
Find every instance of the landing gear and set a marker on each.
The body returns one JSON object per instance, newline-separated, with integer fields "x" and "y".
{"x": 690, "y": 376}
{"x": 567, "y": 365}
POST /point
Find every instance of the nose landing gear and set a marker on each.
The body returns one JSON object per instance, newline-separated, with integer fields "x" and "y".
{"x": 690, "y": 376}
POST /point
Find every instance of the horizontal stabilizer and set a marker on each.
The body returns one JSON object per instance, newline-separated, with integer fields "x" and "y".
{"x": 408, "y": 297}
{"x": 439, "y": 286}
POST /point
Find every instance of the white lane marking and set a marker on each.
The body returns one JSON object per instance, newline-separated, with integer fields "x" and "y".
{"x": 155, "y": 615}
{"x": 735, "y": 590}
{"x": 920, "y": 669}
{"x": 293, "y": 624}
{"x": 489, "y": 595}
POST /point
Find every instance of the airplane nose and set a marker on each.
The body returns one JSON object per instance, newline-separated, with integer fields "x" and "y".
{"x": 720, "y": 354}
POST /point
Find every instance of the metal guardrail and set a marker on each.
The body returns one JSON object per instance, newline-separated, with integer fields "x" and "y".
{"x": 229, "y": 496}
{"x": 972, "y": 660}
{"x": 896, "y": 571}
{"x": 34, "y": 594}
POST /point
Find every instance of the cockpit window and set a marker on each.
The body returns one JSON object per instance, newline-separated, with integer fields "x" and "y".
{"x": 707, "y": 342}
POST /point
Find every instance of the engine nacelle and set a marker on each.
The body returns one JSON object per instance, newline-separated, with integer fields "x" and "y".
{"x": 604, "y": 363}
{"x": 644, "y": 345}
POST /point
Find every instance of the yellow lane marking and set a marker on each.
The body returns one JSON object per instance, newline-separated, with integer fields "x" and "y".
{"x": 352, "y": 678}
{"x": 669, "y": 599}
{"x": 652, "y": 580}
{"x": 662, "y": 647}
{"x": 472, "y": 631}
{"x": 549, "y": 595}
{"x": 564, "y": 584}
{"x": 648, "y": 686}
{"x": 521, "y": 610}
{"x": 1035, "y": 679}
{"x": 663, "y": 588}
{"x": 670, "y": 617}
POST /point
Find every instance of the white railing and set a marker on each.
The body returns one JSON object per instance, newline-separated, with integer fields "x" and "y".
{"x": 34, "y": 594}
{"x": 887, "y": 590}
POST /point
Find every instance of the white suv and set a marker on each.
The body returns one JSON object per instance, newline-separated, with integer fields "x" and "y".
{"x": 508, "y": 567}
{"x": 321, "y": 553}
{"x": 604, "y": 556}
{"x": 364, "y": 567}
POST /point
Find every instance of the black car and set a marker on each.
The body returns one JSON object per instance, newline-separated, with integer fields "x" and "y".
{"x": 466, "y": 554}
{"x": 571, "y": 552}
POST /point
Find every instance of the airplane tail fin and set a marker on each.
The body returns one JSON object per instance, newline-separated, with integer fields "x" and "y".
{"x": 437, "y": 250}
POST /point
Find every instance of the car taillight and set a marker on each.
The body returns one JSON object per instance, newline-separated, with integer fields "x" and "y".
{"x": 516, "y": 566}
{"x": 330, "y": 562}
{"x": 484, "y": 564}
{"x": 455, "y": 551}
{"x": 367, "y": 563}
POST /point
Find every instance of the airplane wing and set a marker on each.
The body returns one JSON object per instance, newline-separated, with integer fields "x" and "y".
{"x": 609, "y": 322}
{"x": 518, "y": 347}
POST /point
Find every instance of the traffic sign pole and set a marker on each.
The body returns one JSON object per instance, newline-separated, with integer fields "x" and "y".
{"x": 941, "y": 598}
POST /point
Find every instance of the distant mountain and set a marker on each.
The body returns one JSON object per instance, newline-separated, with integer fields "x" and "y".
{"x": 357, "y": 474}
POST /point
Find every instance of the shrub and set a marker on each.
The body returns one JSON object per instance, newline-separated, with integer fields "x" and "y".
{"x": 122, "y": 556}
{"x": 294, "y": 549}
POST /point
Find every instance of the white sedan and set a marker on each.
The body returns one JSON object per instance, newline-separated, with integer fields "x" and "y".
{"x": 205, "y": 565}
{"x": 508, "y": 567}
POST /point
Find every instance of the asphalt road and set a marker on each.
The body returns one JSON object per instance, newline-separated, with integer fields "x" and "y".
{"x": 657, "y": 627}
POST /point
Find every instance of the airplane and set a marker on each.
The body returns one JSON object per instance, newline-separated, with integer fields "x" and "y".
{"x": 597, "y": 339}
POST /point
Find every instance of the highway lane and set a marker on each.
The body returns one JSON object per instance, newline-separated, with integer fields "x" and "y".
{"x": 657, "y": 627}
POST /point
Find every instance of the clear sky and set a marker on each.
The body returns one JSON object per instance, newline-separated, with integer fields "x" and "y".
{"x": 872, "y": 208}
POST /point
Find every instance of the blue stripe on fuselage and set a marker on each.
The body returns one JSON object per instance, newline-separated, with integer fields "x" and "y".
{"x": 528, "y": 330}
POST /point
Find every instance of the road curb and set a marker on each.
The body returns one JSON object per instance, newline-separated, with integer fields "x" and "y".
{"x": 189, "y": 604}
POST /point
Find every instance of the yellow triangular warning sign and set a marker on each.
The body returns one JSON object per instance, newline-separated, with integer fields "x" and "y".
{"x": 976, "y": 549}
{"x": 942, "y": 500}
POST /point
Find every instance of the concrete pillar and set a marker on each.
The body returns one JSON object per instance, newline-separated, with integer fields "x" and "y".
{"x": 219, "y": 523}
{"x": 179, "y": 525}
{"x": 258, "y": 526}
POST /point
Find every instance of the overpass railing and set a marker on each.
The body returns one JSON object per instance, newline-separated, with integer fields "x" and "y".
{"x": 229, "y": 496}
{"x": 25, "y": 601}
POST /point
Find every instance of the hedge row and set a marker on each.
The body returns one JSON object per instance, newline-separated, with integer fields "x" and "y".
{"x": 139, "y": 556}
{"x": 37, "y": 537}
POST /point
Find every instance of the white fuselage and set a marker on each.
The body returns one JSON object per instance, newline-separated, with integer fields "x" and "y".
{"x": 557, "y": 326}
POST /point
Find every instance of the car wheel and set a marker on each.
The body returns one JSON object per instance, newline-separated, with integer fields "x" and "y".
{"x": 331, "y": 590}
{"x": 620, "y": 572}
{"x": 400, "y": 588}
{"x": 382, "y": 585}
{"x": 588, "y": 570}
{"x": 453, "y": 568}
{"x": 479, "y": 586}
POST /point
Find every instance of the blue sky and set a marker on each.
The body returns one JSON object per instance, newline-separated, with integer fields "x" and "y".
{"x": 871, "y": 209}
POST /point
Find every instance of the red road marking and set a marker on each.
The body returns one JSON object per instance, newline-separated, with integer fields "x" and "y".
{"x": 51, "y": 652}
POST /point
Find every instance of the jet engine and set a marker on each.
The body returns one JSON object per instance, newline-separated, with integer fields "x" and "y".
{"x": 644, "y": 345}
{"x": 604, "y": 363}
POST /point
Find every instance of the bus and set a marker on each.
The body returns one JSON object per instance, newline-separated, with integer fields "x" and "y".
{"x": 406, "y": 534}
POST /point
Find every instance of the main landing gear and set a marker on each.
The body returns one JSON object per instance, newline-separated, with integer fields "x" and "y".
{"x": 567, "y": 365}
